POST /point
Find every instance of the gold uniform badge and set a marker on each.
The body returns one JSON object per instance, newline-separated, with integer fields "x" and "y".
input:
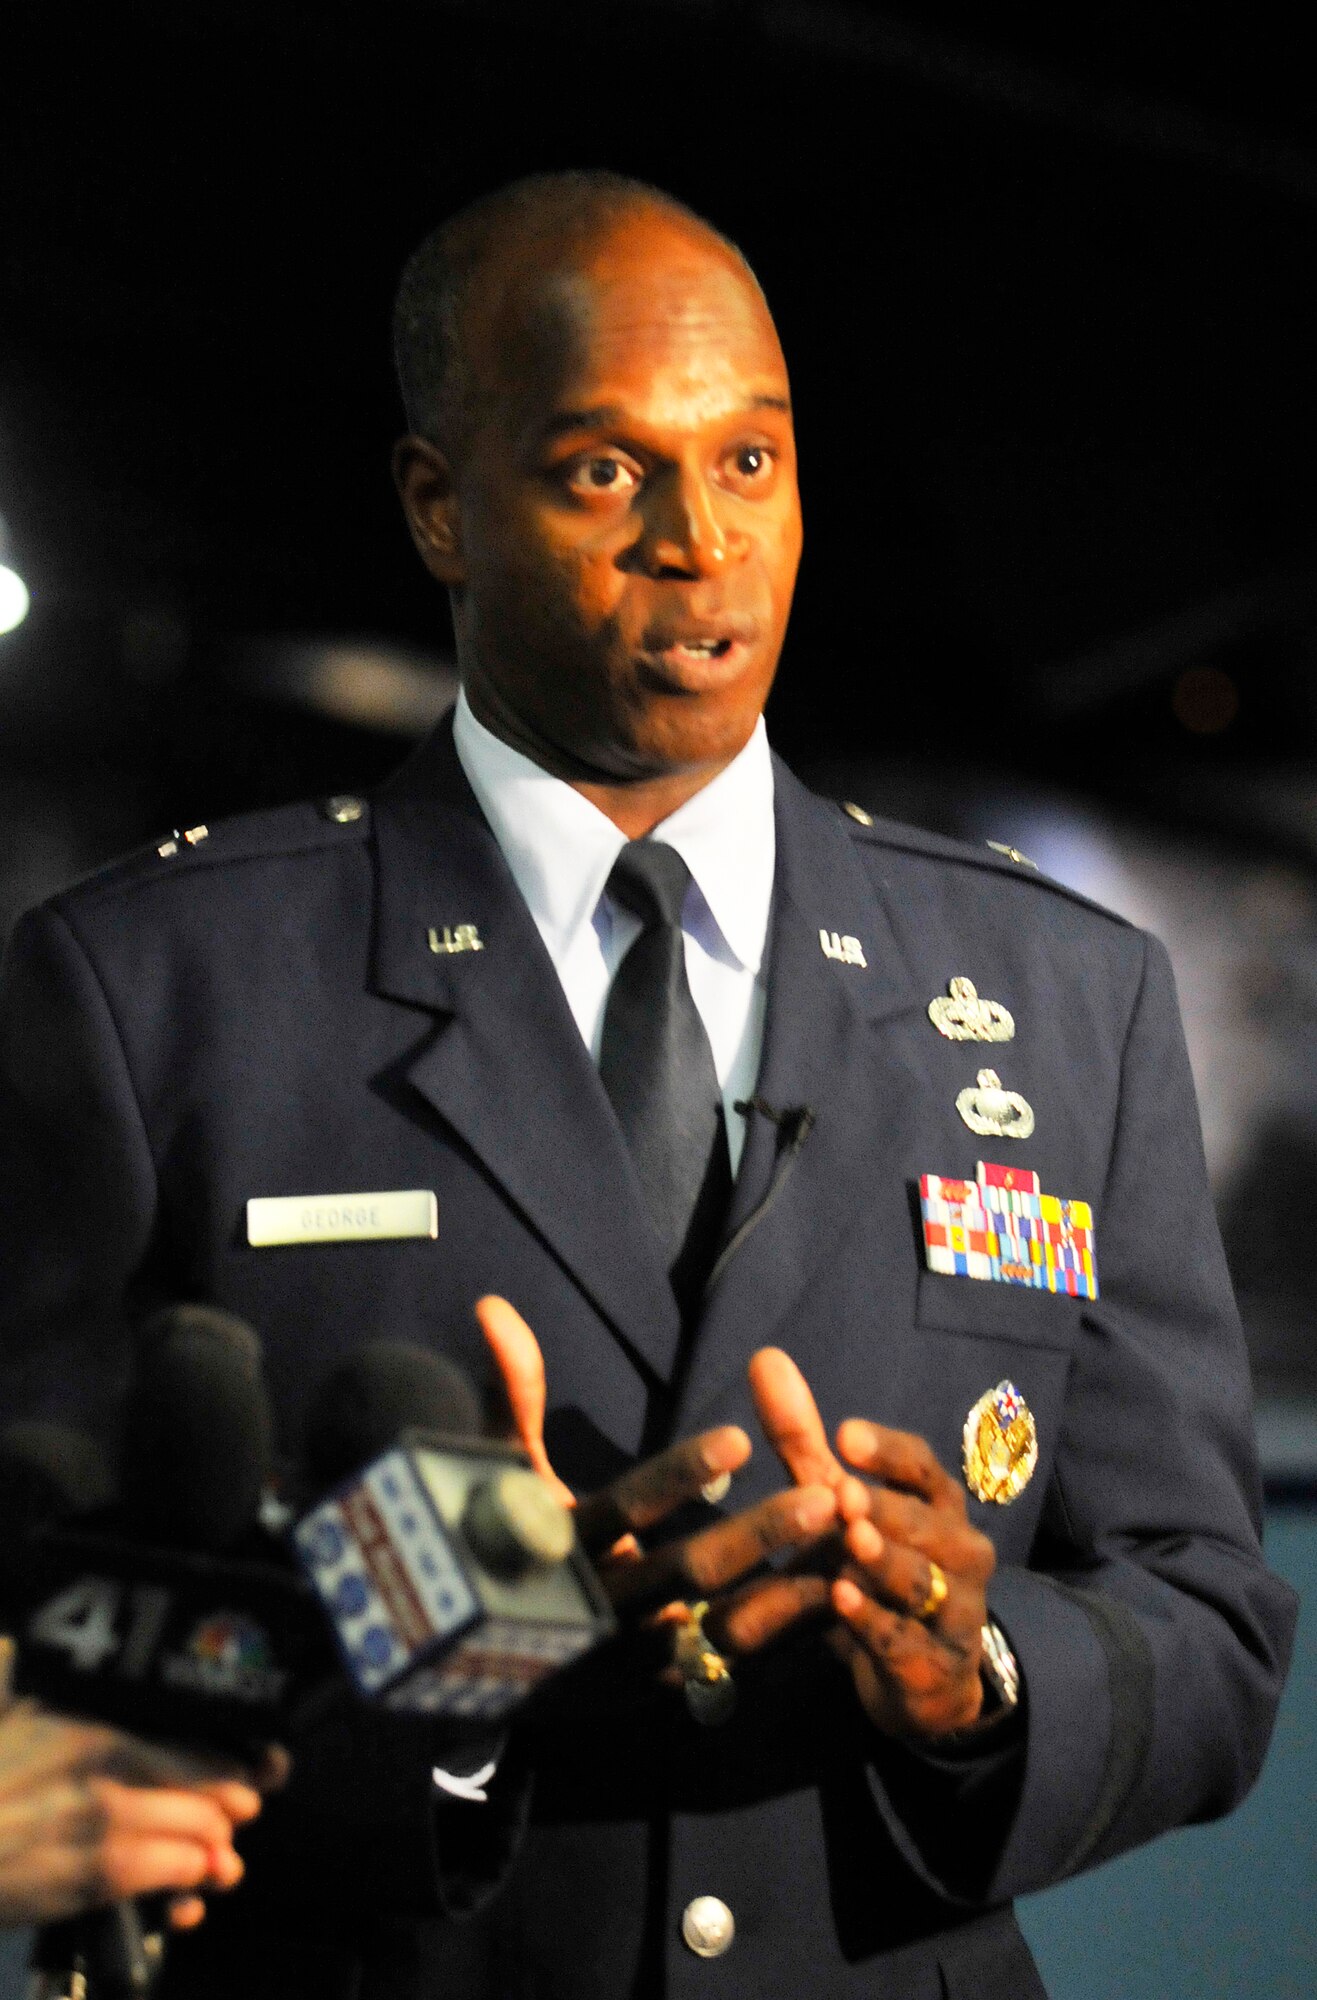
{"x": 961, "y": 1016}
{"x": 1001, "y": 1445}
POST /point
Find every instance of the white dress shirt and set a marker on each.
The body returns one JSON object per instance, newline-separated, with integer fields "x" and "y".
{"x": 561, "y": 851}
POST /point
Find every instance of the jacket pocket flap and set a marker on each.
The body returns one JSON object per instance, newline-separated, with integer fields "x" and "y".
{"x": 997, "y": 1312}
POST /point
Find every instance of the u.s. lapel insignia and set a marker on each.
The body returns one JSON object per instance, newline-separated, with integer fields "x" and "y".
{"x": 1001, "y": 1445}
{"x": 1003, "y": 1227}
{"x": 992, "y": 1112}
{"x": 847, "y": 950}
{"x": 462, "y": 937}
{"x": 961, "y": 1016}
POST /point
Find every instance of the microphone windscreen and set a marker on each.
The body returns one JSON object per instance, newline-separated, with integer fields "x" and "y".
{"x": 46, "y": 1471}
{"x": 388, "y": 1387}
{"x": 197, "y": 1443}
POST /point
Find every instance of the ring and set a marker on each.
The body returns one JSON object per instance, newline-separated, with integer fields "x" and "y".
{"x": 937, "y": 1593}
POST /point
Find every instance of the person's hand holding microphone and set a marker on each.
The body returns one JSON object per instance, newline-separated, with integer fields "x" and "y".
{"x": 89, "y": 1815}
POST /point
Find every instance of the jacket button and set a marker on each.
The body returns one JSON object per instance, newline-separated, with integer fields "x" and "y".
{"x": 708, "y": 1926}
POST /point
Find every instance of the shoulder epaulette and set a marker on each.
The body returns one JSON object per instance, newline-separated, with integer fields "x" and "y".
{"x": 279, "y": 830}
{"x": 995, "y": 856}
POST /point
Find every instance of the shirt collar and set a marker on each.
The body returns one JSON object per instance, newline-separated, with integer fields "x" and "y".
{"x": 560, "y": 849}
{"x": 726, "y": 836}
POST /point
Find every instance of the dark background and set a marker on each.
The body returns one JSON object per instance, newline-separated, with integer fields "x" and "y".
{"x": 1045, "y": 282}
{"x": 1044, "y": 278}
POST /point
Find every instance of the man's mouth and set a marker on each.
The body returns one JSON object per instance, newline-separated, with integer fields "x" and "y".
{"x": 700, "y": 649}
{"x": 693, "y": 664}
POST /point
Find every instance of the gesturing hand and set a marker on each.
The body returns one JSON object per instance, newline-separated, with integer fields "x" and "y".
{"x": 905, "y": 1524}
{"x": 704, "y": 1565}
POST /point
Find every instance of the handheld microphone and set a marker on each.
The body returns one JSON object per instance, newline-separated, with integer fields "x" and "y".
{"x": 449, "y": 1569}
{"x": 170, "y": 1613}
{"x": 174, "y": 1614}
{"x": 198, "y": 1449}
{"x": 48, "y": 1471}
{"x": 387, "y": 1387}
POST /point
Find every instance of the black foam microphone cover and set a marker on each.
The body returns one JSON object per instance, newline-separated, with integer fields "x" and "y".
{"x": 47, "y": 1471}
{"x": 198, "y": 1436}
{"x": 389, "y": 1386}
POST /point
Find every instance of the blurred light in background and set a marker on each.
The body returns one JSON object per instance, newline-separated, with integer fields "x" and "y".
{"x": 368, "y": 684}
{"x": 14, "y": 598}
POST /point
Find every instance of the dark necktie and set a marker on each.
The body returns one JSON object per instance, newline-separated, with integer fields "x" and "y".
{"x": 658, "y": 1070}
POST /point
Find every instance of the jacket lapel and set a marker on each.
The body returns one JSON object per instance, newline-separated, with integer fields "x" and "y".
{"x": 821, "y": 1046}
{"x": 506, "y": 1068}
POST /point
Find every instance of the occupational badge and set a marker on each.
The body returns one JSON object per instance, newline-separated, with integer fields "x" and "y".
{"x": 1001, "y": 1445}
{"x": 961, "y": 1016}
{"x": 1001, "y": 1226}
{"x": 994, "y": 1113}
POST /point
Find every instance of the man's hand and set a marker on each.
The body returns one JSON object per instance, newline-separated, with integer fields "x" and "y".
{"x": 704, "y": 1565}
{"x": 914, "y": 1677}
{"x": 89, "y": 1815}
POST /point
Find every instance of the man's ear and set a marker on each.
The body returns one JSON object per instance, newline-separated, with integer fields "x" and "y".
{"x": 428, "y": 491}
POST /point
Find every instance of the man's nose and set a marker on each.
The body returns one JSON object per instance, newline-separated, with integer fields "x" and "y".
{"x": 684, "y": 535}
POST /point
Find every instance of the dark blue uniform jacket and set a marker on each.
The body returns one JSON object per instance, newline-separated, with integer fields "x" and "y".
{"x": 262, "y": 1014}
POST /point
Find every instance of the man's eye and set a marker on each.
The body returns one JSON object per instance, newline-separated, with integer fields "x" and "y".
{"x": 751, "y": 464}
{"x": 602, "y": 475}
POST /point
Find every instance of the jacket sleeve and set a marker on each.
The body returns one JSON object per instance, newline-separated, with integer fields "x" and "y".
{"x": 77, "y": 1182}
{"x": 1152, "y": 1638}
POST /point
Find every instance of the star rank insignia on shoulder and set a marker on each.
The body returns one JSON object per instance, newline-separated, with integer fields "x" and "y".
{"x": 1009, "y": 853}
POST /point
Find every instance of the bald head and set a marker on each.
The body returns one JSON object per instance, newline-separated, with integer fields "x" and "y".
{"x": 501, "y": 275}
{"x": 601, "y": 470}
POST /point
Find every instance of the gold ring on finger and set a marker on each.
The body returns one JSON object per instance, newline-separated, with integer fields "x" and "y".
{"x": 937, "y": 1593}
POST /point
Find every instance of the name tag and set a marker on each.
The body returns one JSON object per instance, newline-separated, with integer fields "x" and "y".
{"x": 340, "y": 1218}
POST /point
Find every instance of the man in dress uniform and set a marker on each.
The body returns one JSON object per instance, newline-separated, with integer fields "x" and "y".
{"x": 769, "y": 1117}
